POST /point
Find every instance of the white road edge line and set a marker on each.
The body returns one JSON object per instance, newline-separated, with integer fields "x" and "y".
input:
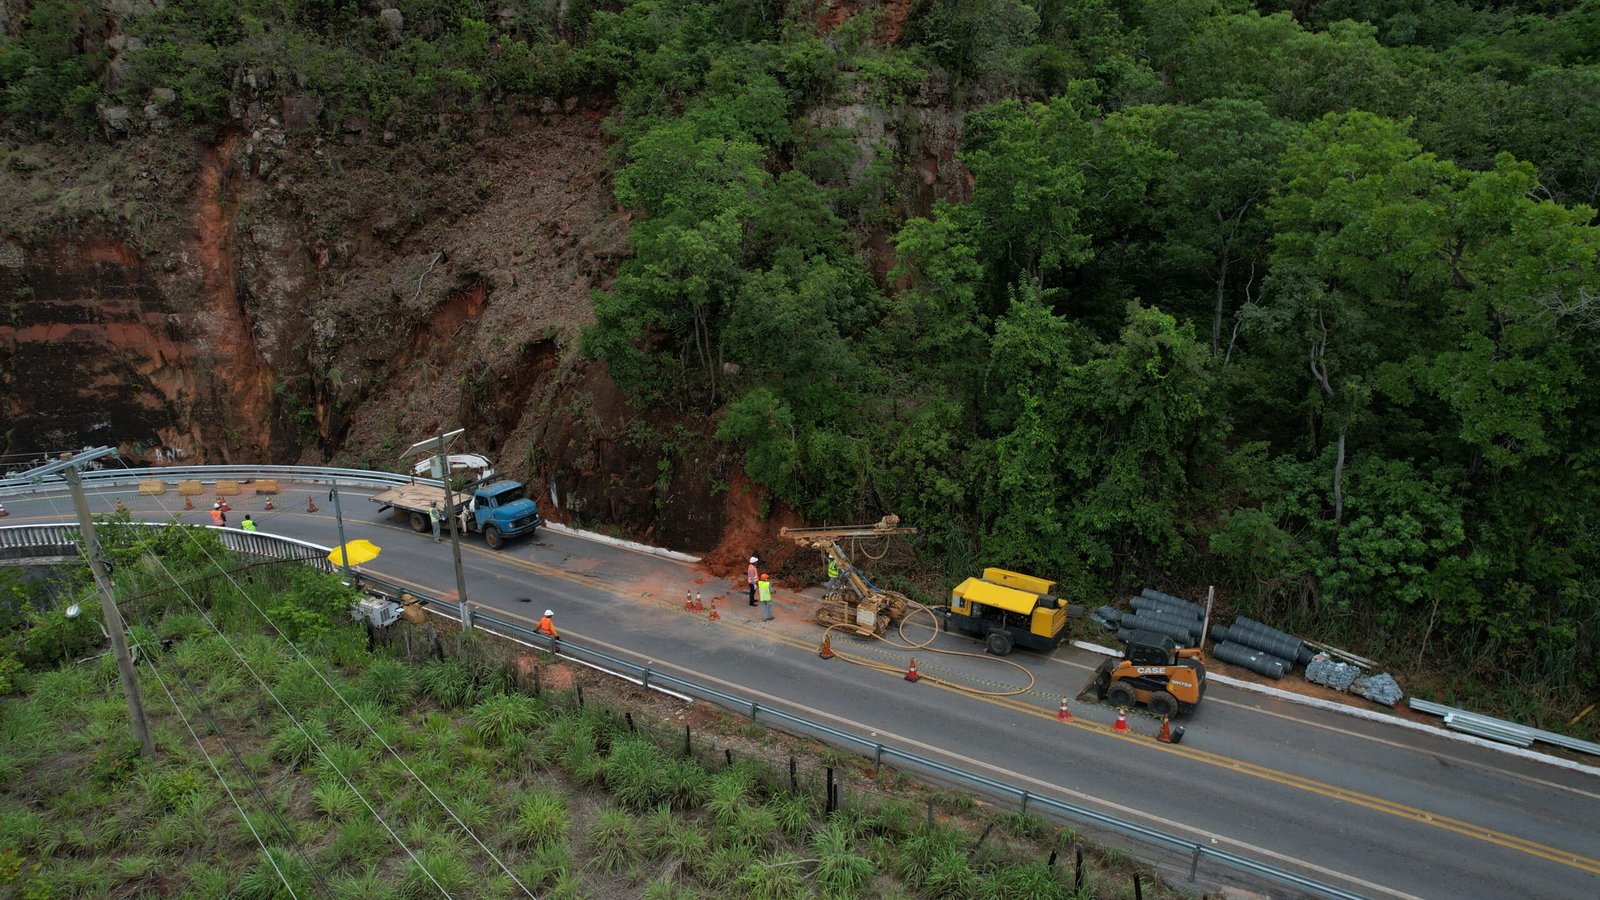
{"x": 1370, "y": 716}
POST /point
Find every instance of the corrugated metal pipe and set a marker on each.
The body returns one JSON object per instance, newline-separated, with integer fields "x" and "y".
{"x": 1256, "y": 661}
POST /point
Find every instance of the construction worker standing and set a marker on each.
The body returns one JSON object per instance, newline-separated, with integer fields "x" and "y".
{"x": 833, "y": 573}
{"x": 547, "y": 625}
{"x": 751, "y": 577}
{"x": 765, "y": 586}
{"x": 217, "y": 518}
{"x": 434, "y": 517}
{"x": 248, "y": 524}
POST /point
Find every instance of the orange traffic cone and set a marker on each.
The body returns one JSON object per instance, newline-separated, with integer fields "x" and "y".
{"x": 188, "y": 503}
{"x": 1063, "y": 713}
{"x": 1165, "y": 736}
{"x": 1121, "y": 725}
{"x": 3, "y": 512}
{"x": 269, "y": 503}
{"x": 713, "y": 616}
{"x": 311, "y": 504}
{"x": 699, "y": 602}
{"x": 688, "y": 600}
{"x": 911, "y": 672}
{"x": 827, "y": 646}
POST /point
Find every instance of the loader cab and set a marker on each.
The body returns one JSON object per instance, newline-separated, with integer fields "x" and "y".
{"x": 1147, "y": 648}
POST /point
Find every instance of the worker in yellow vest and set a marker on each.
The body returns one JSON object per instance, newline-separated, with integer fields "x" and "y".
{"x": 765, "y": 588}
{"x": 248, "y": 524}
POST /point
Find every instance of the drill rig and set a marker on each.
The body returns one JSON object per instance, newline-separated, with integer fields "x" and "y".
{"x": 860, "y": 604}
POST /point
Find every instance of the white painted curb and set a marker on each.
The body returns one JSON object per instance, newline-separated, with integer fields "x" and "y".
{"x": 619, "y": 542}
{"x": 1372, "y": 716}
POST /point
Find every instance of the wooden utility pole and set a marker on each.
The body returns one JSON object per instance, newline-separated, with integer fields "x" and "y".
{"x": 102, "y": 579}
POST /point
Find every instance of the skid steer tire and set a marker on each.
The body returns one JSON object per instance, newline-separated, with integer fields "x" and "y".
{"x": 1120, "y": 693}
{"x": 1163, "y": 704}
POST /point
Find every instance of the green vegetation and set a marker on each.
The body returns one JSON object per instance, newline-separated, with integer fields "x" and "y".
{"x": 311, "y": 763}
{"x": 1297, "y": 301}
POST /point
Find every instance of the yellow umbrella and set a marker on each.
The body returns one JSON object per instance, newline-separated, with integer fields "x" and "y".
{"x": 360, "y": 552}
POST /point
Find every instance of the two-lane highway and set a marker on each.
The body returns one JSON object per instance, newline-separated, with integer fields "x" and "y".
{"x": 1380, "y": 810}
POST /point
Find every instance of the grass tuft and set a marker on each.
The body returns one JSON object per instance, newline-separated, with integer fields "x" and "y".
{"x": 614, "y": 841}
{"x": 502, "y": 716}
{"x": 542, "y": 819}
{"x": 841, "y": 871}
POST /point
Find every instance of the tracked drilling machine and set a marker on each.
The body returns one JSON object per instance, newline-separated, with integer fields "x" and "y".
{"x": 859, "y": 604}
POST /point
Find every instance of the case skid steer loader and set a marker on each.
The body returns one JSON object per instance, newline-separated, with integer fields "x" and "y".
{"x": 1154, "y": 671}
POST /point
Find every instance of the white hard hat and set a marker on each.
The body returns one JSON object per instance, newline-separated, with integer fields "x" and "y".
{"x": 216, "y": 506}
{"x": 549, "y": 612}
{"x": 752, "y": 559}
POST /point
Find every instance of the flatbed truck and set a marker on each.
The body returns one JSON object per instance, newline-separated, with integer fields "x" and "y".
{"x": 500, "y": 510}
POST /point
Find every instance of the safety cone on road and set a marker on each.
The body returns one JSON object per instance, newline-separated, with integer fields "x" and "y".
{"x": 713, "y": 615}
{"x": 269, "y": 503}
{"x": 911, "y": 672}
{"x": 1165, "y": 735}
{"x": 1063, "y": 713}
{"x": 311, "y": 504}
{"x": 1121, "y": 725}
{"x": 827, "y": 646}
{"x": 688, "y": 600}
{"x": 3, "y": 512}
{"x": 699, "y": 602}
{"x": 188, "y": 503}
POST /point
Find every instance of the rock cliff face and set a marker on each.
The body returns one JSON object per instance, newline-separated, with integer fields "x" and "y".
{"x": 269, "y": 295}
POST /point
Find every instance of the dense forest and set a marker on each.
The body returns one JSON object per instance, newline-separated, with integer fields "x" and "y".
{"x": 1303, "y": 302}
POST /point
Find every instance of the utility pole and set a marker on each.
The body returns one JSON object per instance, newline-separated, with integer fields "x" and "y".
{"x": 344, "y": 549}
{"x": 440, "y": 446}
{"x": 108, "y": 601}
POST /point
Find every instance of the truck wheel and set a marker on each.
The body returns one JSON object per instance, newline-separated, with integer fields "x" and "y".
{"x": 418, "y": 523}
{"x": 998, "y": 643}
{"x": 492, "y": 537}
{"x": 1163, "y": 704}
{"x": 1120, "y": 693}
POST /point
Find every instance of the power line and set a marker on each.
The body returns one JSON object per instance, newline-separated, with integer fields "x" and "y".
{"x": 362, "y": 719}
{"x": 223, "y": 781}
{"x": 291, "y": 716}
{"x": 238, "y": 759}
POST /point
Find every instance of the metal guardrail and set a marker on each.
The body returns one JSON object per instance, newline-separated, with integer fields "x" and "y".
{"x": 276, "y": 547}
{"x": 1498, "y": 729}
{"x": 212, "y": 473}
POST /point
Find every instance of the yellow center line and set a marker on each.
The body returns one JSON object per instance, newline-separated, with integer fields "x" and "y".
{"x": 1298, "y": 782}
{"x": 1265, "y": 773}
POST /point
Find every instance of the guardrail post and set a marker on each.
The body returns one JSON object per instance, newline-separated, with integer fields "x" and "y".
{"x": 877, "y": 756}
{"x": 1024, "y": 803}
{"x": 1194, "y": 864}
{"x": 645, "y": 680}
{"x": 754, "y": 708}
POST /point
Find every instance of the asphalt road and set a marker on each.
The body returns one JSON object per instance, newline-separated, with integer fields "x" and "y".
{"x": 1379, "y": 810}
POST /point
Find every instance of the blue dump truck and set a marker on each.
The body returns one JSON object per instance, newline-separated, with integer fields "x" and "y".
{"x": 500, "y": 509}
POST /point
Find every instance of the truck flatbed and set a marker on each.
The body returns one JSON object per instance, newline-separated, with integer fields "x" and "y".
{"x": 411, "y": 497}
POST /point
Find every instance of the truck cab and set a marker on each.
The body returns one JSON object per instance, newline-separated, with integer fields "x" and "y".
{"x": 501, "y": 510}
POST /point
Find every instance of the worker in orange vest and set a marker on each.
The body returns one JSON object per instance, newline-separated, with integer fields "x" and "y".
{"x": 217, "y": 518}
{"x": 751, "y": 575}
{"x": 547, "y": 625}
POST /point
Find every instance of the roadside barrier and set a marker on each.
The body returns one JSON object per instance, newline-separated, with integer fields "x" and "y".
{"x": 270, "y": 546}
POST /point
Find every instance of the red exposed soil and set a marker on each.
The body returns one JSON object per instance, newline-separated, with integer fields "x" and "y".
{"x": 227, "y": 328}
{"x": 747, "y": 534}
